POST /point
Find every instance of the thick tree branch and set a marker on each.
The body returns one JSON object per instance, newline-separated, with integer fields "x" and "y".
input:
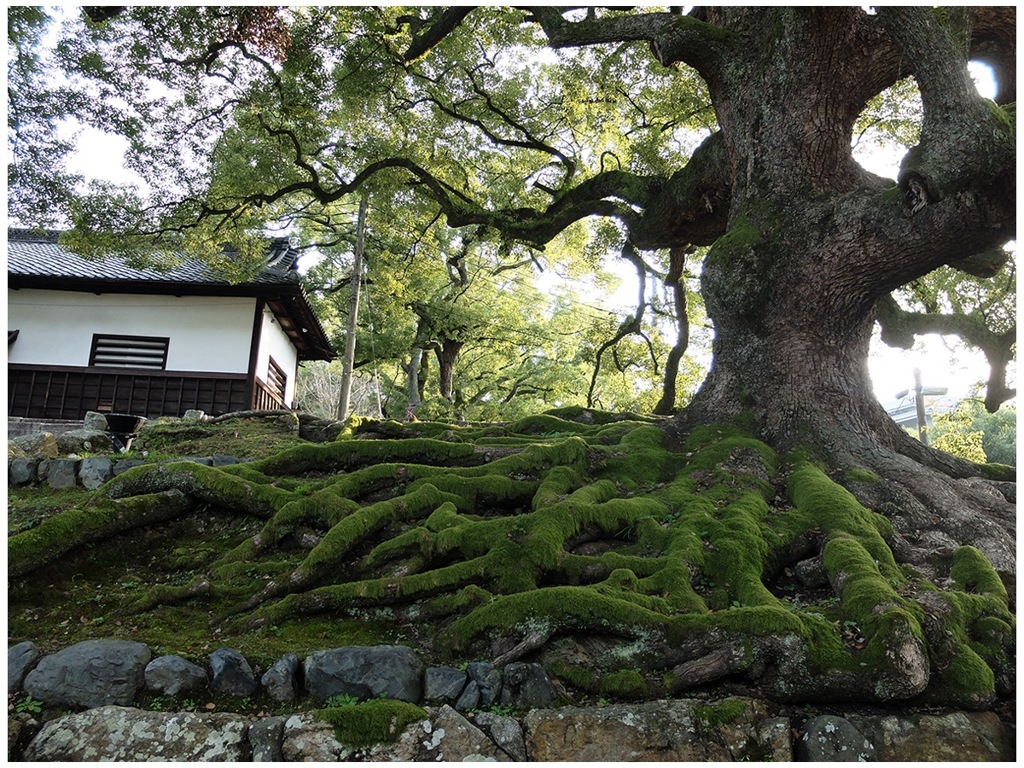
{"x": 692, "y": 208}
{"x": 445, "y": 24}
{"x": 673, "y": 38}
{"x": 964, "y": 143}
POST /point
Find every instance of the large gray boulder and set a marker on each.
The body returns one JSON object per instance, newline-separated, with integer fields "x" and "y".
{"x": 954, "y": 737}
{"x": 231, "y": 673}
{"x": 488, "y": 680}
{"x": 443, "y": 684}
{"x": 94, "y": 472}
{"x": 446, "y": 736}
{"x": 504, "y": 731}
{"x": 120, "y": 734}
{"x": 172, "y": 675}
{"x": 526, "y": 686}
{"x": 682, "y": 730}
{"x": 92, "y": 673}
{"x": 388, "y": 671}
{"x": 95, "y": 421}
{"x": 265, "y": 739}
{"x": 281, "y": 681}
{"x": 21, "y": 472}
{"x": 39, "y": 445}
{"x": 307, "y": 739}
{"x": 80, "y": 440}
{"x": 59, "y": 473}
{"x": 20, "y": 659}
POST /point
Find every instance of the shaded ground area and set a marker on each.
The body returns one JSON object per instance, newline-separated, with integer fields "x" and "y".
{"x": 630, "y": 568}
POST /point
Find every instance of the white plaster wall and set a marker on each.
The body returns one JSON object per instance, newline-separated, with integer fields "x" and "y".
{"x": 275, "y": 343}
{"x": 207, "y": 333}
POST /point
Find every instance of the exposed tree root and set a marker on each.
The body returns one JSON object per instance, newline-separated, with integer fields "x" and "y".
{"x": 717, "y": 560}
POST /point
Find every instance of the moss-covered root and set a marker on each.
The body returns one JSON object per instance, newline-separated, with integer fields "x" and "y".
{"x": 328, "y": 554}
{"x": 97, "y": 520}
{"x": 202, "y": 483}
{"x": 352, "y": 454}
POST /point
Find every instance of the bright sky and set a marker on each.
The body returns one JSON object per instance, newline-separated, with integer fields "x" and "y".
{"x": 943, "y": 362}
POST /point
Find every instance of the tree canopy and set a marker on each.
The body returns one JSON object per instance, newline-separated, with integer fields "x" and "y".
{"x": 555, "y": 135}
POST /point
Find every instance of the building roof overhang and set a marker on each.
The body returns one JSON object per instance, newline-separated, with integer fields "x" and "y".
{"x": 42, "y": 264}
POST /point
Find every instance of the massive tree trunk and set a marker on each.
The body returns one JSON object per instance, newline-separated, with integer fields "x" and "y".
{"x": 813, "y": 241}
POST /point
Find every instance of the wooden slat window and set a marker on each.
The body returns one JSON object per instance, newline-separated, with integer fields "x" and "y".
{"x": 277, "y": 380}
{"x": 129, "y": 351}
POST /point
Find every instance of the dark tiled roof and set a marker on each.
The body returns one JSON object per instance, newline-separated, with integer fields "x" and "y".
{"x": 36, "y": 259}
{"x": 31, "y": 253}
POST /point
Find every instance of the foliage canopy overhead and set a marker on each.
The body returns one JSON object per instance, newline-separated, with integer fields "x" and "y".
{"x": 651, "y": 129}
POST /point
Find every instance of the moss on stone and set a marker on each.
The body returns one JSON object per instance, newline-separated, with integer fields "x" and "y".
{"x": 378, "y": 721}
{"x": 721, "y": 712}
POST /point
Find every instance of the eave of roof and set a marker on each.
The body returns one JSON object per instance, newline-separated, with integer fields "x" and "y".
{"x": 37, "y": 260}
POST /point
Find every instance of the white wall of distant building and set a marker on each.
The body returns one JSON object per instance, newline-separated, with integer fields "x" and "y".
{"x": 210, "y": 334}
{"x": 275, "y": 343}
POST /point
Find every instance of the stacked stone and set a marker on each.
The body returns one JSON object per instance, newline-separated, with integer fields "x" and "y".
{"x": 106, "y": 676}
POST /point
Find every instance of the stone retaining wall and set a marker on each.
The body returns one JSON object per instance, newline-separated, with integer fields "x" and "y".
{"x": 87, "y": 473}
{"x": 472, "y": 712}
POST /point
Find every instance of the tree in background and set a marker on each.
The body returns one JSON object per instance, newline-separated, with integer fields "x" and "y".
{"x": 973, "y": 433}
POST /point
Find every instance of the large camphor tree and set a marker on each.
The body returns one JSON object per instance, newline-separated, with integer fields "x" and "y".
{"x": 529, "y": 126}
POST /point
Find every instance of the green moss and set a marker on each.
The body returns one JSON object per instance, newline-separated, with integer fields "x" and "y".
{"x": 379, "y": 721}
{"x": 101, "y": 519}
{"x": 967, "y": 680}
{"x": 249, "y": 438}
{"x": 556, "y": 485}
{"x": 351, "y": 454}
{"x": 861, "y": 476}
{"x": 576, "y": 676}
{"x": 1005, "y": 116}
{"x": 576, "y": 608}
{"x": 481, "y": 490}
{"x": 972, "y": 572}
{"x": 609, "y": 532}
{"x": 580, "y": 414}
{"x": 546, "y": 424}
{"x": 627, "y": 684}
{"x": 327, "y": 554}
{"x": 835, "y": 510}
{"x": 720, "y": 713}
{"x": 741, "y": 237}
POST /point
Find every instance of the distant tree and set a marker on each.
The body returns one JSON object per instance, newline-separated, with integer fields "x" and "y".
{"x": 971, "y": 432}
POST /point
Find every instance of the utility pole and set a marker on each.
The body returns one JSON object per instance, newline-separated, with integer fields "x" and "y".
{"x": 919, "y": 393}
{"x": 353, "y": 314}
{"x": 922, "y": 424}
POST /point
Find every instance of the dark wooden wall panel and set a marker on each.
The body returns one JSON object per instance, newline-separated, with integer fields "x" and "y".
{"x": 68, "y": 393}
